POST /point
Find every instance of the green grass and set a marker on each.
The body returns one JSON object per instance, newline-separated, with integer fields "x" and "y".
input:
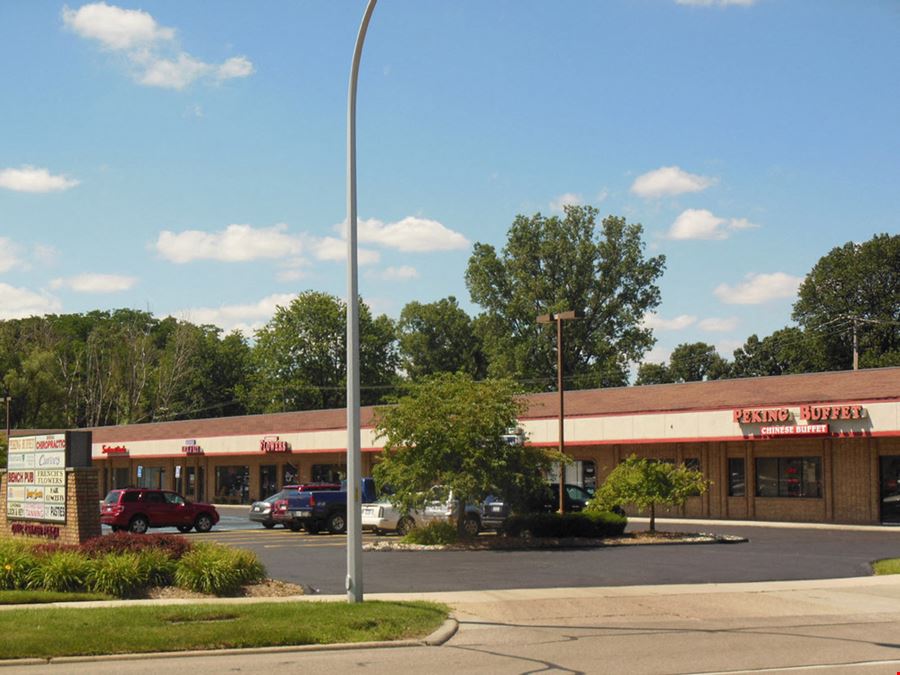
{"x": 69, "y": 632}
{"x": 887, "y": 566}
{"x": 39, "y": 597}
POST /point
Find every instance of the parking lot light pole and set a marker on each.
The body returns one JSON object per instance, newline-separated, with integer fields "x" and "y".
{"x": 559, "y": 317}
{"x": 354, "y": 453}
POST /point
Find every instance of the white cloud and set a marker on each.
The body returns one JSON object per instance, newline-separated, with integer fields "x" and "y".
{"x": 18, "y": 303}
{"x": 680, "y": 322}
{"x": 114, "y": 27}
{"x": 410, "y": 234}
{"x": 669, "y": 181}
{"x": 697, "y": 224}
{"x": 32, "y": 179}
{"x": 149, "y": 48}
{"x": 173, "y": 74}
{"x": 567, "y": 199}
{"x": 236, "y": 66}
{"x": 716, "y": 3}
{"x": 759, "y": 288}
{"x": 402, "y": 273}
{"x": 703, "y": 224}
{"x": 236, "y": 243}
{"x": 602, "y": 195}
{"x": 657, "y": 355}
{"x": 9, "y": 255}
{"x": 335, "y": 250}
{"x": 95, "y": 283}
{"x": 245, "y": 318}
{"x": 718, "y": 325}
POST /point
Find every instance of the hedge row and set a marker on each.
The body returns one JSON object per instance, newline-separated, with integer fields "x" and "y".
{"x": 127, "y": 566}
{"x": 593, "y": 525}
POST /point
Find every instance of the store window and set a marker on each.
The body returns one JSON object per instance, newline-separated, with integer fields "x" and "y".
{"x": 789, "y": 477}
{"x": 737, "y": 486}
{"x": 328, "y": 473}
{"x": 233, "y": 484}
{"x": 121, "y": 478}
{"x": 153, "y": 477}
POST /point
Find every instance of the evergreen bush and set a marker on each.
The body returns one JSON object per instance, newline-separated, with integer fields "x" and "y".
{"x": 594, "y": 525}
{"x": 434, "y": 533}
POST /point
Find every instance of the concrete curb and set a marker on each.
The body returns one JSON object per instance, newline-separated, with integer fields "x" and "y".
{"x": 444, "y": 632}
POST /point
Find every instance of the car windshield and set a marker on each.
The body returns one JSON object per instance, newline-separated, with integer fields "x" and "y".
{"x": 112, "y": 497}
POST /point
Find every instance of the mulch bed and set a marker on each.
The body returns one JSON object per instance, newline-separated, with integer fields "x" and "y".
{"x": 270, "y": 588}
{"x": 500, "y": 543}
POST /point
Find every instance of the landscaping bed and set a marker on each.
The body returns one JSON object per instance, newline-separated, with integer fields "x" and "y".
{"x": 490, "y": 542}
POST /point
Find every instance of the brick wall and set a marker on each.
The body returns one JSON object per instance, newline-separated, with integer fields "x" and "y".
{"x": 82, "y": 510}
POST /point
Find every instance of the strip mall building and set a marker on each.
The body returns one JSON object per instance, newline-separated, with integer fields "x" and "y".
{"x": 821, "y": 447}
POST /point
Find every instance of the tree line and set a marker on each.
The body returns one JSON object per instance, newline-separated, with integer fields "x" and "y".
{"x": 126, "y": 366}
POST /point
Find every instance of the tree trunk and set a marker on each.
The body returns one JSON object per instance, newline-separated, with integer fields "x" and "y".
{"x": 461, "y": 518}
{"x": 653, "y": 517}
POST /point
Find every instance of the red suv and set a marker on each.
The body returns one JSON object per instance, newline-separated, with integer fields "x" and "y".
{"x": 138, "y": 509}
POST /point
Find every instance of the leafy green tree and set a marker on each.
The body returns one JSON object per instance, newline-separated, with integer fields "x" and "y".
{"x": 654, "y": 373}
{"x": 784, "y": 352}
{"x": 855, "y": 283}
{"x": 299, "y": 361}
{"x": 438, "y": 337}
{"x": 448, "y": 431}
{"x": 645, "y": 483}
{"x": 552, "y": 264}
{"x": 695, "y": 362}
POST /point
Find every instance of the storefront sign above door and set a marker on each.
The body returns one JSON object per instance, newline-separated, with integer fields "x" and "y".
{"x": 795, "y": 430}
{"x": 272, "y": 444}
{"x": 191, "y": 448}
{"x": 114, "y": 450}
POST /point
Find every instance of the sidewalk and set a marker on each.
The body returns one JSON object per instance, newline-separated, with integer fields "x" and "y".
{"x": 887, "y": 528}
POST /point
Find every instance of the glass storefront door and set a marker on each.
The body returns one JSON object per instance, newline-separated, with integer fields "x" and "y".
{"x": 268, "y": 480}
{"x": 890, "y": 489}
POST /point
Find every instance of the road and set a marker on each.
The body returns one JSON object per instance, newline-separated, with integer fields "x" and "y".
{"x": 318, "y": 562}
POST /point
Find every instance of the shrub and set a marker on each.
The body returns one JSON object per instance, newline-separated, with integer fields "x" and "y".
{"x": 16, "y": 563}
{"x": 209, "y": 568}
{"x": 119, "y": 574}
{"x": 59, "y": 571}
{"x": 249, "y": 567}
{"x": 157, "y": 566}
{"x": 125, "y": 542}
{"x": 592, "y": 525}
{"x": 434, "y": 533}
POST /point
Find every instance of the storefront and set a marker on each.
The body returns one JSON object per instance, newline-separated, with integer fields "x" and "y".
{"x": 821, "y": 447}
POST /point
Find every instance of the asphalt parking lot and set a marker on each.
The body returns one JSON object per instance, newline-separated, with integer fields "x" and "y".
{"x": 773, "y": 553}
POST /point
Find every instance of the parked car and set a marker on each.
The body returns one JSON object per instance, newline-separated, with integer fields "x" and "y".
{"x": 382, "y": 516}
{"x": 317, "y": 510}
{"x": 263, "y": 510}
{"x": 138, "y": 509}
{"x": 494, "y": 511}
{"x": 444, "y": 507}
{"x": 278, "y": 511}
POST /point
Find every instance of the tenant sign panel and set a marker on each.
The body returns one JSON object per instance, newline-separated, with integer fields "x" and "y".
{"x": 36, "y": 480}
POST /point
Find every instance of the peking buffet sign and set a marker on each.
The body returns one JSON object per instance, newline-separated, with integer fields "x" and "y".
{"x": 36, "y": 478}
{"x": 775, "y": 419}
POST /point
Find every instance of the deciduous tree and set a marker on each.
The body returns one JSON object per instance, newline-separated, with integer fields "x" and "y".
{"x": 552, "y": 264}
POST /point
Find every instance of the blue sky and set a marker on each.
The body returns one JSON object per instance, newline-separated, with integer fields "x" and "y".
{"x": 189, "y": 158}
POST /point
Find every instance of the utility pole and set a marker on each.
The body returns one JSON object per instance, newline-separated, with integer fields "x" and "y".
{"x": 855, "y": 347}
{"x": 559, "y": 317}
{"x": 6, "y": 399}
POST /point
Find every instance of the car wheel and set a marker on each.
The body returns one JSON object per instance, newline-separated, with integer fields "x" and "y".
{"x": 184, "y": 529}
{"x": 404, "y": 525}
{"x": 337, "y": 523}
{"x": 139, "y": 525}
{"x": 471, "y": 526}
{"x": 268, "y": 526}
{"x": 294, "y": 527}
{"x": 203, "y": 523}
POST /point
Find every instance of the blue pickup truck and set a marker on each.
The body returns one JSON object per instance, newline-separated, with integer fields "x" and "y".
{"x": 324, "y": 510}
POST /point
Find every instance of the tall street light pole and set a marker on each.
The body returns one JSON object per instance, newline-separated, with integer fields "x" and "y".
{"x": 354, "y": 453}
{"x": 559, "y": 317}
